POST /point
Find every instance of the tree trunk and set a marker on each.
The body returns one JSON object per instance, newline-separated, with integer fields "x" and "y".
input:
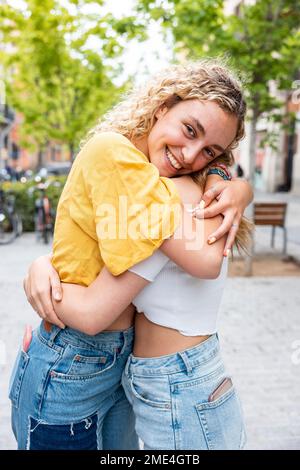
{"x": 40, "y": 158}
{"x": 71, "y": 148}
{"x": 252, "y": 154}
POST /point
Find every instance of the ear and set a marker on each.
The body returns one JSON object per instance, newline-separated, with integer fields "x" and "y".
{"x": 162, "y": 110}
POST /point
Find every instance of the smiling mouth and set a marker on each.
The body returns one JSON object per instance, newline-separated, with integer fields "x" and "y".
{"x": 172, "y": 160}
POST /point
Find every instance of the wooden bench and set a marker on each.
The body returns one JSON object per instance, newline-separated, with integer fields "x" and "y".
{"x": 272, "y": 213}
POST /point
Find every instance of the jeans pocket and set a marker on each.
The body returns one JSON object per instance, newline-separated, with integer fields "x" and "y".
{"x": 17, "y": 376}
{"x": 84, "y": 365}
{"x": 150, "y": 391}
{"x": 222, "y": 422}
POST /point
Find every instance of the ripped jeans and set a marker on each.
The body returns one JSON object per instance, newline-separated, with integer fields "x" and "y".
{"x": 66, "y": 392}
{"x": 173, "y": 401}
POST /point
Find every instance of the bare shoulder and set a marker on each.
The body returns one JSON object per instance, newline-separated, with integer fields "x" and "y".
{"x": 189, "y": 191}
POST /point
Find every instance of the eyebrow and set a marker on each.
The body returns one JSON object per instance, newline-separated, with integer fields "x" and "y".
{"x": 202, "y": 130}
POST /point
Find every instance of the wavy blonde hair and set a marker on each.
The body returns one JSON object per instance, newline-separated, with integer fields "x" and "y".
{"x": 206, "y": 80}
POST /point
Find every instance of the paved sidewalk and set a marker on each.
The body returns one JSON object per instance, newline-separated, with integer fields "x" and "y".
{"x": 259, "y": 329}
{"x": 15, "y": 313}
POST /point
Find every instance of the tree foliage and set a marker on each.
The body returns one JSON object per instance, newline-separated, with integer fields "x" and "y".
{"x": 59, "y": 83}
{"x": 261, "y": 38}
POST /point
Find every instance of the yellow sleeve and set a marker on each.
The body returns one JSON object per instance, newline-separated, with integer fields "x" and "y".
{"x": 134, "y": 209}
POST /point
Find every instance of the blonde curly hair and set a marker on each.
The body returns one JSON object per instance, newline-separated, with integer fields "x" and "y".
{"x": 206, "y": 80}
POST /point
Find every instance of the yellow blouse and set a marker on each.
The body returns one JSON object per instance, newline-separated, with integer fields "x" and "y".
{"x": 114, "y": 210}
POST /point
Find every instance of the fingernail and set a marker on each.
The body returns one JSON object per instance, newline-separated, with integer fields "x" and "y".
{"x": 190, "y": 210}
{"x": 211, "y": 240}
{"x": 57, "y": 295}
{"x": 202, "y": 204}
{"x": 227, "y": 252}
{"x": 199, "y": 212}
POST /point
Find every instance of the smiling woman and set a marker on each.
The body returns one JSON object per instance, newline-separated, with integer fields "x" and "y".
{"x": 66, "y": 389}
{"x": 188, "y": 99}
{"x": 188, "y": 136}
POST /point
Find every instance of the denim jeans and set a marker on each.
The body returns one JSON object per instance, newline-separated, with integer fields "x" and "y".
{"x": 66, "y": 391}
{"x": 169, "y": 395}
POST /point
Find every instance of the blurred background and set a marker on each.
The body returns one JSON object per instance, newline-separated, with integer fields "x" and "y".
{"x": 63, "y": 63}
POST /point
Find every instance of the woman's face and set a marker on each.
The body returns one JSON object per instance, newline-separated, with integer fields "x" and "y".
{"x": 188, "y": 136}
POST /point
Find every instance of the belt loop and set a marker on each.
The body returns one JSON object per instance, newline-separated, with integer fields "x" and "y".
{"x": 185, "y": 359}
{"x": 54, "y": 332}
{"x": 126, "y": 369}
{"x": 124, "y": 337}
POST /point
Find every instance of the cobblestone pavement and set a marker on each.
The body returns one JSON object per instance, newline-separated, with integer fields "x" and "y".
{"x": 259, "y": 329}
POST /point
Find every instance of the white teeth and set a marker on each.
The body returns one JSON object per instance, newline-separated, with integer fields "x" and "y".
{"x": 172, "y": 160}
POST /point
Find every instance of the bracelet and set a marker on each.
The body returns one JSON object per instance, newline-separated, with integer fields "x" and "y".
{"x": 223, "y": 167}
{"x": 220, "y": 172}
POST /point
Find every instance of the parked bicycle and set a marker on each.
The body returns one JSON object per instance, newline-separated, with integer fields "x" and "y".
{"x": 44, "y": 216}
{"x": 10, "y": 221}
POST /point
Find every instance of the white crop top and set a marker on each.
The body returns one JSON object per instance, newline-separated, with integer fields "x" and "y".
{"x": 177, "y": 300}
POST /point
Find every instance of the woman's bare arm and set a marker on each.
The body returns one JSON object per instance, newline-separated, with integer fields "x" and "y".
{"x": 233, "y": 198}
{"x": 188, "y": 246}
{"x": 94, "y": 308}
{"x": 89, "y": 301}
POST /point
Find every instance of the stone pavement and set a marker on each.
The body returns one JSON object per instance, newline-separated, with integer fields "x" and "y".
{"x": 259, "y": 329}
{"x": 15, "y": 313}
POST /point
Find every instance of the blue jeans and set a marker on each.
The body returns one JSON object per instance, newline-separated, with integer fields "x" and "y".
{"x": 66, "y": 391}
{"x": 169, "y": 395}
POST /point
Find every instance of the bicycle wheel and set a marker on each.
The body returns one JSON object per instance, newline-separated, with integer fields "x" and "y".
{"x": 7, "y": 228}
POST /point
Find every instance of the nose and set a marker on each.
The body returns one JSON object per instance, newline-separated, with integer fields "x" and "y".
{"x": 191, "y": 151}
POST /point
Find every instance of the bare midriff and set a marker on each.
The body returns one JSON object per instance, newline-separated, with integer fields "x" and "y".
{"x": 152, "y": 340}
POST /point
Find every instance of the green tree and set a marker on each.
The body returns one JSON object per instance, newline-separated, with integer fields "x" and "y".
{"x": 262, "y": 39}
{"x": 59, "y": 84}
